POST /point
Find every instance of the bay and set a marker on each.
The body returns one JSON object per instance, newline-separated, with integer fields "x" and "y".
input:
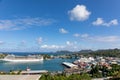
{"x": 50, "y": 65}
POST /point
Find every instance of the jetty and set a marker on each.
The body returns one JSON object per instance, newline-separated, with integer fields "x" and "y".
{"x": 70, "y": 65}
{"x": 34, "y": 72}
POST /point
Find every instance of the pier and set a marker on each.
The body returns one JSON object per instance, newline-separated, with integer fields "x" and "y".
{"x": 70, "y": 65}
{"x": 34, "y": 72}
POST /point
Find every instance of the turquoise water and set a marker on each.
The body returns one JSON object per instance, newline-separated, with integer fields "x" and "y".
{"x": 50, "y": 65}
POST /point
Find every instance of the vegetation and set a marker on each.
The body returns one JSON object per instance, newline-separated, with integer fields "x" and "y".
{"x": 19, "y": 72}
{"x": 102, "y": 71}
{"x": 95, "y": 71}
{"x": 83, "y": 76}
{"x": 105, "y": 53}
{"x": 12, "y": 72}
{"x": 45, "y": 56}
{"x": 2, "y": 55}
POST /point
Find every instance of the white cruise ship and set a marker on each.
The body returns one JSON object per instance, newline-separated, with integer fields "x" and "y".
{"x": 29, "y": 58}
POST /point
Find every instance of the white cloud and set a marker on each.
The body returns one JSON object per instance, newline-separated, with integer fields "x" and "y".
{"x": 63, "y": 31}
{"x": 39, "y": 40}
{"x": 101, "y": 22}
{"x": 84, "y": 35}
{"x": 72, "y": 46}
{"x": 81, "y": 35}
{"x": 67, "y": 46}
{"x": 106, "y": 38}
{"x": 69, "y": 43}
{"x": 113, "y": 22}
{"x": 76, "y": 35}
{"x": 22, "y": 23}
{"x": 51, "y": 47}
{"x": 98, "y": 38}
{"x": 79, "y": 13}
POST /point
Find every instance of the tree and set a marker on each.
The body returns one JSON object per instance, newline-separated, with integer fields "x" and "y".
{"x": 95, "y": 71}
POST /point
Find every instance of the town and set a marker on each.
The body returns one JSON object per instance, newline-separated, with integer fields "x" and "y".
{"x": 93, "y": 67}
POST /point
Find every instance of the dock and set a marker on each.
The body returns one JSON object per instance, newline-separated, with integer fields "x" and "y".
{"x": 70, "y": 65}
{"x": 34, "y": 72}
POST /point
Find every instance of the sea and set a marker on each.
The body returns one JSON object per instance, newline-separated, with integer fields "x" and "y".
{"x": 51, "y": 65}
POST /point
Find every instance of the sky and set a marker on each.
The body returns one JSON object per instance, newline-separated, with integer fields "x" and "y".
{"x": 52, "y": 25}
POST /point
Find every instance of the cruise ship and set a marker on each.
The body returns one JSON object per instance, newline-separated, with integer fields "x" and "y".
{"x": 29, "y": 58}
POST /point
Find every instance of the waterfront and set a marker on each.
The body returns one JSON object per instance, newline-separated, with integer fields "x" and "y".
{"x": 50, "y": 65}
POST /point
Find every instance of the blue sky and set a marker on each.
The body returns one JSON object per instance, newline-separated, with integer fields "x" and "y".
{"x": 51, "y": 25}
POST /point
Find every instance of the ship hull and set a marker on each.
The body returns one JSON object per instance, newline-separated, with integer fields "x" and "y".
{"x": 22, "y": 60}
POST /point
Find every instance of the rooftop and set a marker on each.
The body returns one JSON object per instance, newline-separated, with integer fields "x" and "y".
{"x": 20, "y": 77}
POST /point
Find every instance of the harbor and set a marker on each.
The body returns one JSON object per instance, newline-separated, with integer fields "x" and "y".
{"x": 57, "y": 65}
{"x": 59, "y": 39}
{"x": 52, "y": 65}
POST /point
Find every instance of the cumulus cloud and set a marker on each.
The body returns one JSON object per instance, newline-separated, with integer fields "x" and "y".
{"x": 22, "y": 23}
{"x": 39, "y": 40}
{"x": 79, "y": 13}
{"x": 63, "y": 31}
{"x": 69, "y": 45}
{"x": 51, "y": 47}
{"x": 101, "y": 22}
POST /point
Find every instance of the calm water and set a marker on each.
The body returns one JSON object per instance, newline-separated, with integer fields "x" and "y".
{"x": 50, "y": 65}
